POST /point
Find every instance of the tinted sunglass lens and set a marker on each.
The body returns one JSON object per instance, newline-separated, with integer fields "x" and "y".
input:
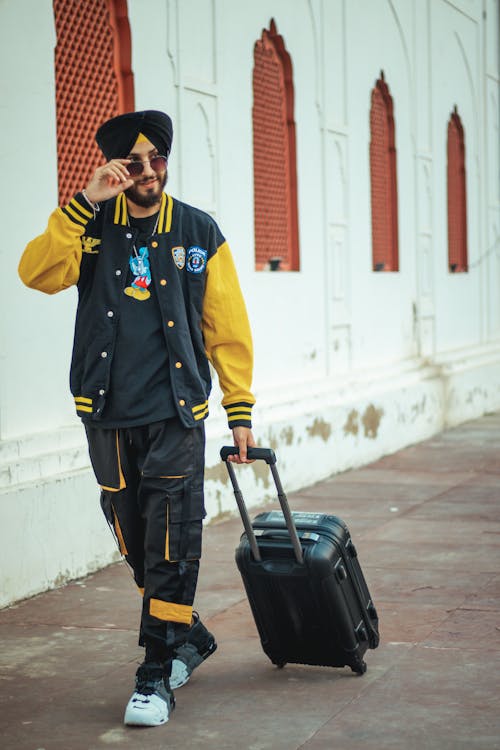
{"x": 135, "y": 168}
{"x": 158, "y": 163}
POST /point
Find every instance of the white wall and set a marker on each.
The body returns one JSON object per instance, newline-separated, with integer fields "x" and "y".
{"x": 455, "y": 55}
{"x": 35, "y": 331}
{"x": 350, "y": 364}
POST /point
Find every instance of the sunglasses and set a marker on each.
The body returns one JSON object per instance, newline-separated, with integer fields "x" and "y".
{"x": 158, "y": 163}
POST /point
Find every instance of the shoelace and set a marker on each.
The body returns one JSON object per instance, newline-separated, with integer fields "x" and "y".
{"x": 146, "y": 683}
{"x": 147, "y": 687}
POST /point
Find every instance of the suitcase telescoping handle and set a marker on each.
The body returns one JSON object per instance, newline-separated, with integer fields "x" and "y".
{"x": 267, "y": 455}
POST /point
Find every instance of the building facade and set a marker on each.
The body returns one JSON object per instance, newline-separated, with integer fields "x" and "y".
{"x": 349, "y": 150}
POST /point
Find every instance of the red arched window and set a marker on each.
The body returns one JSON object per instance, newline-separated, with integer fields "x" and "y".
{"x": 94, "y": 82}
{"x": 383, "y": 179}
{"x": 457, "y": 197}
{"x": 274, "y": 156}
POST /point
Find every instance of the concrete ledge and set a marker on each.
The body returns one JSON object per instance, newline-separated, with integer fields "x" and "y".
{"x": 42, "y": 455}
{"x": 51, "y": 532}
{"x": 53, "y": 529}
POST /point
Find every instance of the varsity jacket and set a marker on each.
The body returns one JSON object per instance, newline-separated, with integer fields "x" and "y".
{"x": 202, "y": 308}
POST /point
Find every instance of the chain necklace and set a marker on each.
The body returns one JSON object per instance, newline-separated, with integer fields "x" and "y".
{"x": 139, "y": 261}
{"x": 149, "y": 237}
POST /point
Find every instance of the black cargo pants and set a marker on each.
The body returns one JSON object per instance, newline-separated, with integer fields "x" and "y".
{"x": 152, "y": 496}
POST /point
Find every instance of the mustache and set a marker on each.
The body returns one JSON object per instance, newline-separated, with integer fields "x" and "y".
{"x": 146, "y": 179}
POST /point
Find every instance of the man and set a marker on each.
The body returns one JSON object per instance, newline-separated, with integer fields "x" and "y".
{"x": 158, "y": 299}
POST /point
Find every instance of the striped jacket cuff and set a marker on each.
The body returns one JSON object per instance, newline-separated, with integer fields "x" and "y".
{"x": 78, "y": 210}
{"x": 239, "y": 414}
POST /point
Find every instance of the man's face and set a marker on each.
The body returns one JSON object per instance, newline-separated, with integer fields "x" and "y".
{"x": 148, "y": 186}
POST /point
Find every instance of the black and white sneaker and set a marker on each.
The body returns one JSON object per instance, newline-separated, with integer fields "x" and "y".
{"x": 197, "y": 647}
{"x": 153, "y": 700}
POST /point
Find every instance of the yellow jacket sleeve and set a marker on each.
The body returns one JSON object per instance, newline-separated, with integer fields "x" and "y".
{"x": 51, "y": 262}
{"x": 228, "y": 339}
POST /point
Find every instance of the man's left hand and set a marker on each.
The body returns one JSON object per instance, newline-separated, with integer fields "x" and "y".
{"x": 243, "y": 439}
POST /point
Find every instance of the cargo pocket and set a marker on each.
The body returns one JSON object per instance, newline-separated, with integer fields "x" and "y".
{"x": 104, "y": 451}
{"x": 185, "y": 513}
{"x": 107, "y": 508}
{"x": 113, "y": 522}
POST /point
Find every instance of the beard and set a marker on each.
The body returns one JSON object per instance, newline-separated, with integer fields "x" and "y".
{"x": 152, "y": 196}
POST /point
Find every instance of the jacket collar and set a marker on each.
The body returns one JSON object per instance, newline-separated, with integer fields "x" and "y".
{"x": 164, "y": 219}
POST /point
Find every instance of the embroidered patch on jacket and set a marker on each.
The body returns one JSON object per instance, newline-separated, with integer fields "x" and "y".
{"x": 196, "y": 259}
{"x": 179, "y": 256}
{"x": 89, "y": 244}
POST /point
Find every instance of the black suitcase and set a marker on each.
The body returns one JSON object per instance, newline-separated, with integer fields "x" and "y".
{"x": 304, "y": 583}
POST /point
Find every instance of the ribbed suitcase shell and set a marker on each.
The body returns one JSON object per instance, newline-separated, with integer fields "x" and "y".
{"x": 318, "y": 612}
{"x": 303, "y": 580}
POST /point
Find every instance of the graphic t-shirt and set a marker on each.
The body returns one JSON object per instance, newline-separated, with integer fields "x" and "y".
{"x": 140, "y": 391}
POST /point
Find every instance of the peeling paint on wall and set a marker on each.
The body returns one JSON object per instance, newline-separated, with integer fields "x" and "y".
{"x": 287, "y": 435}
{"x": 261, "y": 471}
{"x": 222, "y": 515}
{"x": 61, "y": 579}
{"x": 371, "y": 421}
{"x": 272, "y": 441}
{"x": 418, "y": 408}
{"x": 320, "y": 428}
{"x": 475, "y": 393}
{"x": 352, "y": 425}
{"x": 217, "y": 473}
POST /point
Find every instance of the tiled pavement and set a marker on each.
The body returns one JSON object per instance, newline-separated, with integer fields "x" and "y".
{"x": 426, "y": 522}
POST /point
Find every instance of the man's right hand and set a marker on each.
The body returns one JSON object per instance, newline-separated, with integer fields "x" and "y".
{"x": 109, "y": 180}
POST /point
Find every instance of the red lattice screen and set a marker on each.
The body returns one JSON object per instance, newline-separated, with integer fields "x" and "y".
{"x": 384, "y": 200}
{"x": 274, "y": 155}
{"x": 457, "y": 196}
{"x": 93, "y": 82}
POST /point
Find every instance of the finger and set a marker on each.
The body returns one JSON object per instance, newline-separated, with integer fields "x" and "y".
{"x": 248, "y": 442}
{"x": 121, "y": 164}
{"x": 244, "y": 443}
{"x": 251, "y": 444}
{"x": 117, "y": 172}
{"x": 112, "y": 172}
{"x": 243, "y": 452}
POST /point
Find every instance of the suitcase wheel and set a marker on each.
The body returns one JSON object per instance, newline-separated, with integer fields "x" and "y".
{"x": 280, "y": 664}
{"x": 360, "y": 668}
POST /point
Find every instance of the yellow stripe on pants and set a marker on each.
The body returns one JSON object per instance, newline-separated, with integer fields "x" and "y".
{"x": 171, "y": 612}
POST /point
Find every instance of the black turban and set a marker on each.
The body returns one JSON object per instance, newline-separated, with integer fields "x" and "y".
{"x": 117, "y": 136}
